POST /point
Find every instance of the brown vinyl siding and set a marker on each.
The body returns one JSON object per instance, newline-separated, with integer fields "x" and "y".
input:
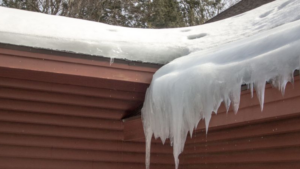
{"x": 62, "y": 119}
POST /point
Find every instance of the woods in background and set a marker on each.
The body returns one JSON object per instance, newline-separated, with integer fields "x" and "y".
{"x": 129, "y": 13}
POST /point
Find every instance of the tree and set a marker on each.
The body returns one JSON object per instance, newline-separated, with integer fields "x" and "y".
{"x": 130, "y": 13}
{"x": 196, "y": 12}
{"x": 165, "y": 14}
{"x": 53, "y": 7}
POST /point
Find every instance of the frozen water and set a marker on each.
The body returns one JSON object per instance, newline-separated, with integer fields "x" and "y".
{"x": 190, "y": 88}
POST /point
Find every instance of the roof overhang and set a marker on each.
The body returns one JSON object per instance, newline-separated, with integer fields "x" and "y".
{"x": 122, "y": 83}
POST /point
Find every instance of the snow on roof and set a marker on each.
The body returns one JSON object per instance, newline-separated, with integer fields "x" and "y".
{"x": 160, "y": 46}
{"x": 265, "y": 47}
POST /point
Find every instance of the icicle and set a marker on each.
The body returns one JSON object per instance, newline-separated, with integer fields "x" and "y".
{"x": 235, "y": 98}
{"x": 207, "y": 120}
{"x": 292, "y": 77}
{"x": 111, "y": 61}
{"x": 191, "y": 133}
{"x": 281, "y": 81}
{"x": 216, "y": 107}
{"x": 227, "y": 103}
{"x": 260, "y": 92}
{"x": 176, "y": 161}
{"x": 282, "y": 89}
{"x": 251, "y": 89}
{"x": 148, "y": 134}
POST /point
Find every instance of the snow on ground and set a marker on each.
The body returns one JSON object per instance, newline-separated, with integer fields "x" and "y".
{"x": 192, "y": 87}
{"x": 155, "y": 46}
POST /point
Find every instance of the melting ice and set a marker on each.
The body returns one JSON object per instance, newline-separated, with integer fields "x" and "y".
{"x": 192, "y": 87}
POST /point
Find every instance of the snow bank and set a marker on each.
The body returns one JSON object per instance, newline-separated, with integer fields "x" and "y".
{"x": 156, "y": 46}
{"x": 190, "y": 88}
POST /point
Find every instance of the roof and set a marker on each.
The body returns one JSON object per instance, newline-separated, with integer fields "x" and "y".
{"x": 158, "y": 46}
{"x": 238, "y": 8}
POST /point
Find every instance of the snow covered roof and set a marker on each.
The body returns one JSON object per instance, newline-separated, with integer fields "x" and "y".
{"x": 161, "y": 46}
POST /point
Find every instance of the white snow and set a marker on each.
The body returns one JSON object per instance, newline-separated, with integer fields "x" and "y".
{"x": 191, "y": 88}
{"x": 147, "y": 45}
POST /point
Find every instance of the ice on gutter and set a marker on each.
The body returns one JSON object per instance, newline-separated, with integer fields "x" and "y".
{"x": 161, "y": 46}
{"x": 191, "y": 88}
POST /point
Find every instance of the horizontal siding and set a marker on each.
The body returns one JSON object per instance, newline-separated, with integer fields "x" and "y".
{"x": 80, "y": 155}
{"x": 51, "y": 120}
{"x": 251, "y": 130}
{"x": 20, "y": 163}
{"x": 79, "y": 143}
{"x": 59, "y": 131}
{"x": 60, "y": 109}
{"x": 43, "y": 126}
{"x": 70, "y": 89}
{"x": 59, "y": 120}
{"x": 246, "y": 144}
{"x": 67, "y": 99}
{"x": 275, "y": 165}
{"x": 254, "y": 156}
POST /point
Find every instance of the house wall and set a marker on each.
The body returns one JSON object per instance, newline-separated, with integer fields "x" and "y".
{"x": 55, "y": 118}
{"x": 42, "y": 127}
{"x": 65, "y": 112}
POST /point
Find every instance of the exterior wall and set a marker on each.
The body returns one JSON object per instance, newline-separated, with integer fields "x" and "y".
{"x": 55, "y": 118}
{"x": 64, "y": 112}
{"x": 241, "y": 7}
{"x": 42, "y": 128}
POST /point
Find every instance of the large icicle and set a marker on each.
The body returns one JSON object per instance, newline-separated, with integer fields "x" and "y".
{"x": 192, "y": 87}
